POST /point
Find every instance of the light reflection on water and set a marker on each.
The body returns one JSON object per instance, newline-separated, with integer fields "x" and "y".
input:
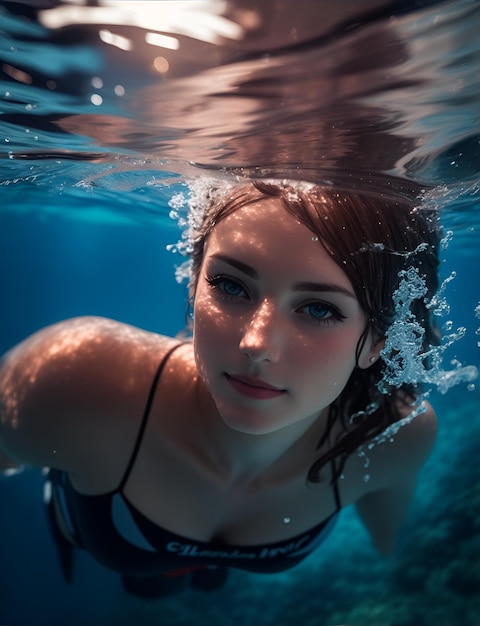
{"x": 120, "y": 97}
{"x": 308, "y": 87}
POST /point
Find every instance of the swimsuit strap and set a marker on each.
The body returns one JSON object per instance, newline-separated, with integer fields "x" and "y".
{"x": 145, "y": 417}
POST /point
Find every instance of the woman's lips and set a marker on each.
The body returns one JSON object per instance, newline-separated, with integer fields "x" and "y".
{"x": 254, "y": 387}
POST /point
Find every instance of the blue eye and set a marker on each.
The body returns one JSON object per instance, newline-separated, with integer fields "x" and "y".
{"x": 227, "y": 286}
{"x": 322, "y": 312}
{"x": 318, "y": 311}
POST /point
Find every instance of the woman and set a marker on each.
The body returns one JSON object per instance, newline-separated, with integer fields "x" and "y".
{"x": 240, "y": 447}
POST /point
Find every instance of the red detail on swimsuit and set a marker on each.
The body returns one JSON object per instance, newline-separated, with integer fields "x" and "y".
{"x": 185, "y": 570}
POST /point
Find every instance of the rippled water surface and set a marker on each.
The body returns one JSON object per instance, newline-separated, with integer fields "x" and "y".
{"x": 349, "y": 91}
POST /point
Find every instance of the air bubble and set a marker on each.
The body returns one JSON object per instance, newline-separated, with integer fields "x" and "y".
{"x": 444, "y": 242}
{"x": 439, "y": 304}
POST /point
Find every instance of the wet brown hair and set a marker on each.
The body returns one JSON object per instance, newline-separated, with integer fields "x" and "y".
{"x": 372, "y": 239}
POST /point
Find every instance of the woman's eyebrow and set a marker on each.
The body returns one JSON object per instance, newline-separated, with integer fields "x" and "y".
{"x": 243, "y": 267}
{"x": 324, "y": 287}
{"x": 304, "y": 286}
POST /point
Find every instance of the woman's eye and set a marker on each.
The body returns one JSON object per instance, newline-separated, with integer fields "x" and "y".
{"x": 320, "y": 312}
{"x": 227, "y": 286}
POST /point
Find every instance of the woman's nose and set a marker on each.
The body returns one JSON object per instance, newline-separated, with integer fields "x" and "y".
{"x": 260, "y": 340}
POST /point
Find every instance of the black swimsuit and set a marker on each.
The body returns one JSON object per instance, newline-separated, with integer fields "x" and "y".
{"x": 121, "y": 538}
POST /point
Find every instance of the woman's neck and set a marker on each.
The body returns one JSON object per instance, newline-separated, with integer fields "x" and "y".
{"x": 243, "y": 461}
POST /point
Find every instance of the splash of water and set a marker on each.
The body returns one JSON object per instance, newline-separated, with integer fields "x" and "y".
{"x": 188, "y": 209}
{"x": 405, "y": 359}
{"x": 438, "y": 304}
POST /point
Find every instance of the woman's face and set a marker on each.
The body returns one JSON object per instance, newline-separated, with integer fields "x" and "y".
{"x": 276, "y": 321}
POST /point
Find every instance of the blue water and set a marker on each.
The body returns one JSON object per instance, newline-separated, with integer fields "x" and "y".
{"x": 83, "y": 230}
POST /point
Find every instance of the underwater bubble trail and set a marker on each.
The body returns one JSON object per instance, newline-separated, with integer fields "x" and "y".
{"x": 439, "y": 304}
{"x": 371, "y": 408}
{"x": 445, "y": 241}
{"x": 477, "y": 315}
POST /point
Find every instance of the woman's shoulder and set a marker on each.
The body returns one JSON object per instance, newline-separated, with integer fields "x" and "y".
{"x": 397, "y": 454}
{"x": 77, "y": 390}
{"x": 78, "y": 354}
{"x": 416, "y": 428}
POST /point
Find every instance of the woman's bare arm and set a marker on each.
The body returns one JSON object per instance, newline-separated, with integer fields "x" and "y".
{"x": 396, "y": 465}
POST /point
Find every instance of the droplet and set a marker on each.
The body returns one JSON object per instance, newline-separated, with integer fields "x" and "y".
{"x": 286, "y": 520}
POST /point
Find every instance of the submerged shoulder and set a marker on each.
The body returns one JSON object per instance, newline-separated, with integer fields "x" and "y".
{"x": 79, "y": 342}
{"x": 81, "y": 362}
{"x": 76, "y": 390}
{"x": 401, "y": 450}
{"x": 417, "y": 430}
{"x": 394, "y": 456}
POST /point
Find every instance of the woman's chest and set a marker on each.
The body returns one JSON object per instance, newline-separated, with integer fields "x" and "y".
{"x": 178, "y": 497}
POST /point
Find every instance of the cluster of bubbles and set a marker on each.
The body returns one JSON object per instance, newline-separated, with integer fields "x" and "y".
{"x": 477, "y": 315}
{"x": 188, "y": 209}
{"x": 405, "y": 359}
